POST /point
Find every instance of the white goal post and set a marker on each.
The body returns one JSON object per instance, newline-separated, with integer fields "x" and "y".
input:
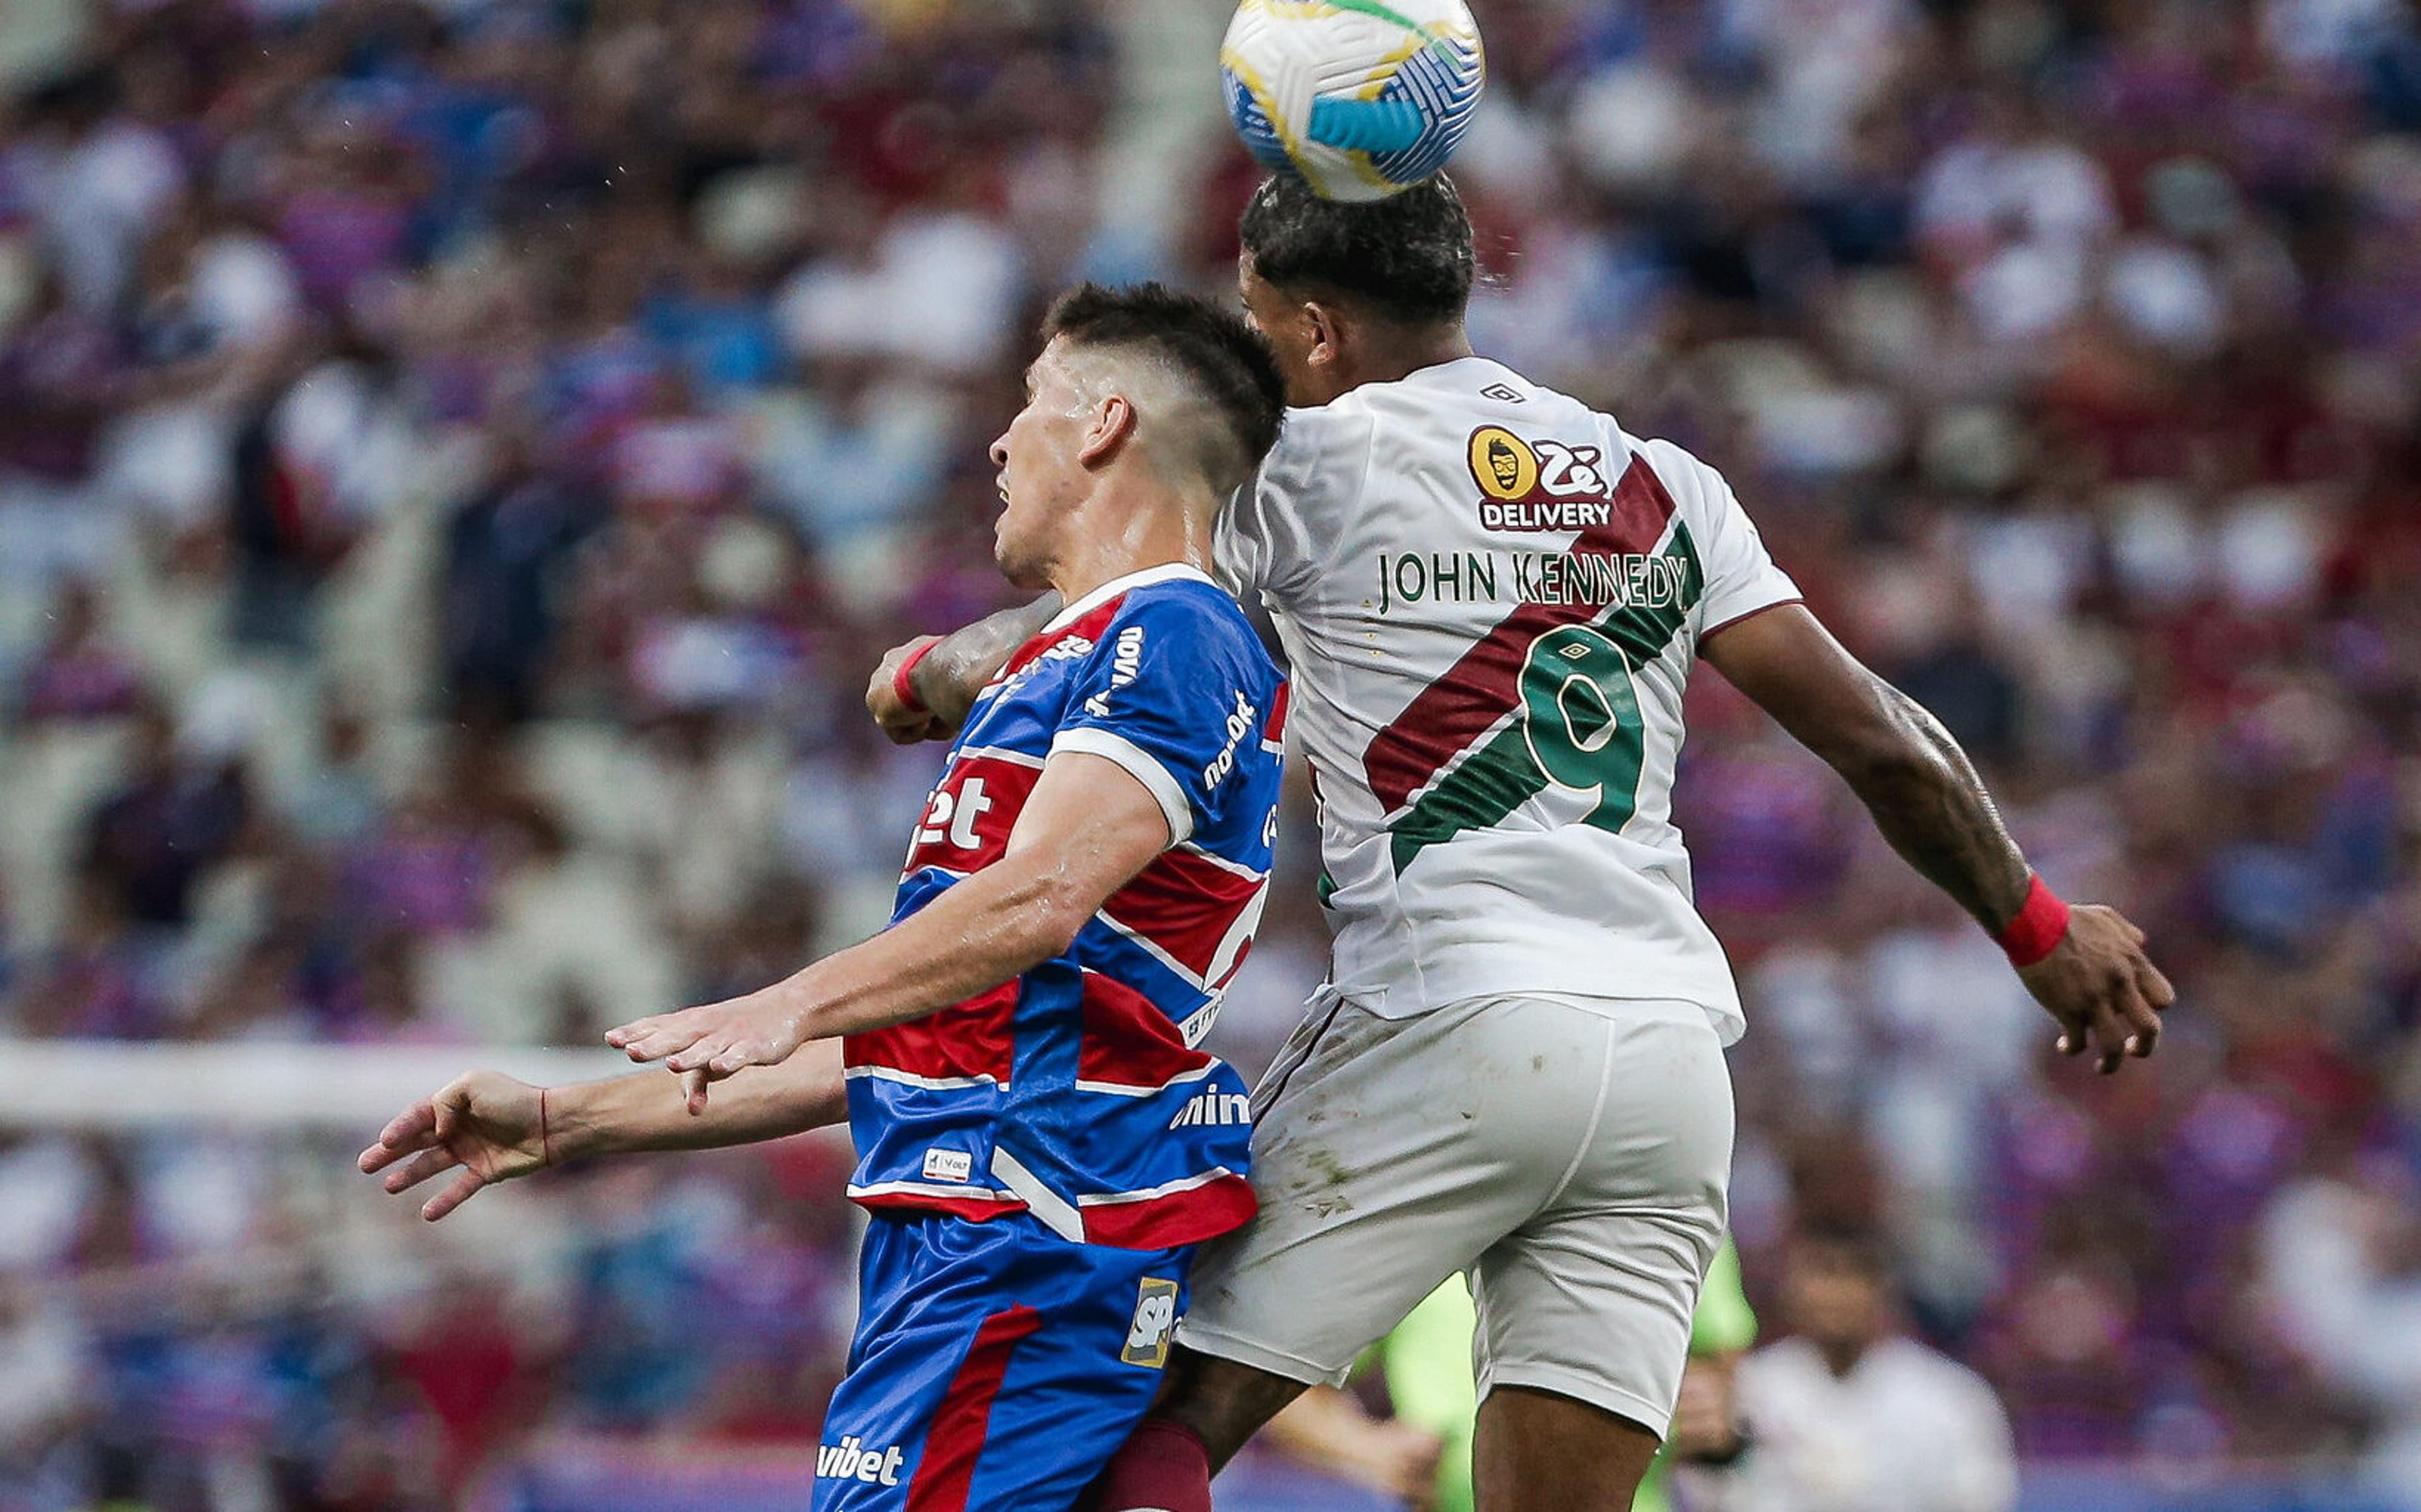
{"x": 134, "y": 1085}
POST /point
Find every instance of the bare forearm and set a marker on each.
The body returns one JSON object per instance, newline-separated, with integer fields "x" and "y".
{"x": 995, "y": 924}
{"x": 1318, "y": 1427}
{"x": 626, "y": 1115}
{"x": 1929, "y": 802}
{"x": 949, "y": 676}
{"x": 1086, "y": 831}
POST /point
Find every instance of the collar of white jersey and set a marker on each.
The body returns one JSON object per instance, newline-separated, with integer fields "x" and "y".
{"x": 1442, "y": 371}
{"x": 1164, "y": 572}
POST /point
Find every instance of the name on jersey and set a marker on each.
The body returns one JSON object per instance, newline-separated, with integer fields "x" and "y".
{"x": 1539, "y": 485}
{"x": 1592, "y": 577}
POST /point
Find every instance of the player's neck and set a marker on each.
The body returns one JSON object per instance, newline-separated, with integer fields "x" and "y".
{"x": 1841, "y": 1356}
{"x": 1390, "y": 355}
{"x": 1112, "y": 542}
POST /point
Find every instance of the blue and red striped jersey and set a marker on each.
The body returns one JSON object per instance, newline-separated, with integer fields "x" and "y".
{"x": 1076, "y": 1091}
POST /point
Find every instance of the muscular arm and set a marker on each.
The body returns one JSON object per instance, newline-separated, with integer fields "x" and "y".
{"x": 1087, "y": 829}
{"x": 1928, "y": 802}
{"x": 949, "y": 676}
{"x": 1922, "y": 790}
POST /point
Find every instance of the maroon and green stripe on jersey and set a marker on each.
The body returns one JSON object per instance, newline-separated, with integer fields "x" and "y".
{"x": 1566, "y": 668}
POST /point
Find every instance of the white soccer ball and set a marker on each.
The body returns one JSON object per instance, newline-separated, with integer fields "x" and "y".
{"x": 1359, "y": 98}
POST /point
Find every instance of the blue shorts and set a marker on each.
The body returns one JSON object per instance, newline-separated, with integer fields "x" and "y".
{"x": 997, "y": 1368}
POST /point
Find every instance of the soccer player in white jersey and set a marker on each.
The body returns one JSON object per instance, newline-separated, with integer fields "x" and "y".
{"x": 1492, "y": 598}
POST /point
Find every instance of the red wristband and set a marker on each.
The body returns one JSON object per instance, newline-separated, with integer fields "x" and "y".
{"x": 905, "y": 689}
{"x": 2039, "y": 927}
{"x": 545, "y": 1141}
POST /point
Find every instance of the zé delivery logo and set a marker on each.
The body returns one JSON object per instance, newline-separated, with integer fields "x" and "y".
{"x": 1539, "y": 485}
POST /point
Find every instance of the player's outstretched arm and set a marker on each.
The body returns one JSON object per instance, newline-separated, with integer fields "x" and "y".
{"x": 1086, "y": 830}
{"x": 1928, "y": 802}
{"x": 945, "y": 672}
{"x": 491, "y": 1128}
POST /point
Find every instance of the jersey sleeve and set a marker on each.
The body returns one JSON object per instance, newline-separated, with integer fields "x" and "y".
{"x": 1169, "y": 694}
{"x": 1268, "y": 541}
{"x": 1740, "y": 579}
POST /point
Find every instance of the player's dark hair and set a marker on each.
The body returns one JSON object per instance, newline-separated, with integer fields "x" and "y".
{"x": 1852, "y": 1246}
{"x": 1408, "y": 256}
{"x": 1217, "y": 352}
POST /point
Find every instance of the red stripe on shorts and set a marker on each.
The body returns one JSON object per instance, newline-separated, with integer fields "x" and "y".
{"x": 963, "y": 1419}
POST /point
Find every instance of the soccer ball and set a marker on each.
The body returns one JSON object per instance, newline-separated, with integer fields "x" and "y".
{"x": 1359, "y": 98}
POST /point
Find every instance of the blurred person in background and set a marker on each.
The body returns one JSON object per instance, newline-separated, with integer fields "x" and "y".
{"x": 1420, "y": 1453}
{"x": 1847, "y": 1414}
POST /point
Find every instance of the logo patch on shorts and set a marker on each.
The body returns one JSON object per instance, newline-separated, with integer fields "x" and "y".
{"x": 948, "y": 1165}
{"x": 1154, "y": 1325}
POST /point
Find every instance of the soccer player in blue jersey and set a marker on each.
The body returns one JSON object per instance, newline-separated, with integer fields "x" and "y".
{"x": 1040, "y": 1141}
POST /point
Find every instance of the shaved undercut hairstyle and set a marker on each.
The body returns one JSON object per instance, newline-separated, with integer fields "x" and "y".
{"x": 1406, "y": 258}
{"x": 1211, "y": 353}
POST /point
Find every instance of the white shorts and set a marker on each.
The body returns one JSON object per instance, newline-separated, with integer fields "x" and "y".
{"x": 1570, "y": 1154}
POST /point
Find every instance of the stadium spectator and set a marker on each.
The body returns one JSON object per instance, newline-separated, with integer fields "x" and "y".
{"x": 1849, "y": 1413}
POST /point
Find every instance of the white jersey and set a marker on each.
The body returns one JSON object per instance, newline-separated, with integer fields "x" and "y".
{"x": 1492, "y": 597}
{"x": 1906, "y": 1430}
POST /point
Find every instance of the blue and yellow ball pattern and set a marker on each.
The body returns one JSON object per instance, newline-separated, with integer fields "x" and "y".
{"x": 1358, "y": 98}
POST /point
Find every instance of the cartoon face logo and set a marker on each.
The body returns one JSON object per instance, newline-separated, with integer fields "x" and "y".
{"x": 1504, "y": 462}
{"x": 1501, "y": 463}
{"x": 1155, "y": 1322}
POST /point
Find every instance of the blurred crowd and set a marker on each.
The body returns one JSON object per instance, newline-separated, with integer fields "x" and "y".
{"x": 459, "y": 458}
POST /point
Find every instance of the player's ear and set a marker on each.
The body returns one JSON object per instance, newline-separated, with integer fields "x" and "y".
{"x": 1327, "y": 334}
{"x": 1109, "y": 427}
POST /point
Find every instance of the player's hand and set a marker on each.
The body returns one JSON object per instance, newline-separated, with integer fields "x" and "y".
{"x": 1402, "y": 1461}
{"x": 899, "y": 723}
{"x": 484, "y": 1123}
{"x": 718, "y": 1040}
{"x": 1706, "y": 1421}
{"x": 2104, "y": 991}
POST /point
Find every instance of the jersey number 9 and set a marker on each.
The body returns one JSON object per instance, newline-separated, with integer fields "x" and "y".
{"x": 1580, "y": 717}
